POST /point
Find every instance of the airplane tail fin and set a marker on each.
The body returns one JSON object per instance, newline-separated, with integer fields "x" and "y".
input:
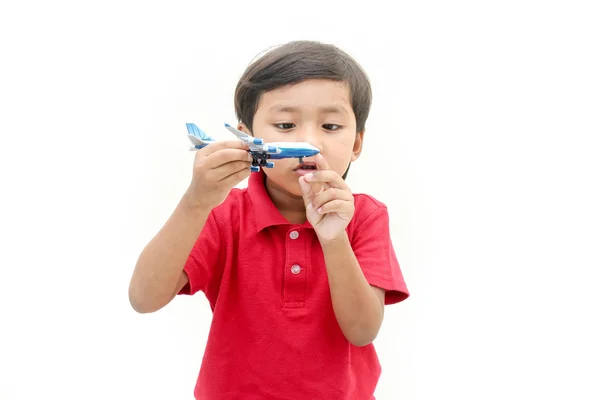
{"x": 197, "y": 136}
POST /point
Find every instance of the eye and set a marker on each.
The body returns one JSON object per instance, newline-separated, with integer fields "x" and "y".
{"x": 285, "y": 126}
{"x": 332, "y": 127}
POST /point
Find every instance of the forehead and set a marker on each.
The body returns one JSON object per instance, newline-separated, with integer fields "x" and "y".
{"x": 321, "y": 95}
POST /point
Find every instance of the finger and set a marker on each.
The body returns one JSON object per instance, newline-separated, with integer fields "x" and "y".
{"x": 225, "y": 170}
{"x": 225, "y": 156}
{"x": 306, "y": 191}
{"x": 236, "y": 177}
{"x": 342, "y": 207}
{"x": 329, "y": 195}
{"x": 321, "y": 162}
{"x": 318, "y": 188}
{"x": 329, "y": 177}
{"x": 223, "y": 144}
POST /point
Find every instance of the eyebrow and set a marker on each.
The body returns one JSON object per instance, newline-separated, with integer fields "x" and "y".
{"x": 325, "y": 110}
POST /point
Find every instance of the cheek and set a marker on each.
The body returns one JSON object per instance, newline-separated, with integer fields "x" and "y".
{"x": 268, "y": 132}
{"x": 338, "y": 153}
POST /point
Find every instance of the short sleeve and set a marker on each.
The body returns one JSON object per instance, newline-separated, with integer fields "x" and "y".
{"x": 375, "y": 253}
{"x": 203, "y": 262}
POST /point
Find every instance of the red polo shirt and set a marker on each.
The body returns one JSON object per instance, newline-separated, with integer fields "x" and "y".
{"x": 274, "y": 334}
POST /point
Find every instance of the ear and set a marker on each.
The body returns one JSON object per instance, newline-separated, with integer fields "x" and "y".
{"x": 358, "y": 145}
{"x": 242, "y": 127}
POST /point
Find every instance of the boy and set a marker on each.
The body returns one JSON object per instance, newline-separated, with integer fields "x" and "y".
{"x": 296, "y": 268}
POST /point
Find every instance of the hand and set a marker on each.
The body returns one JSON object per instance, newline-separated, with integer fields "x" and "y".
{"x": 328, "y": 200}
{"x": 218, "y": 167}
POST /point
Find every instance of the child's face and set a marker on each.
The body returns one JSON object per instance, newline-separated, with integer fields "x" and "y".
{"x": 314, "y": 111}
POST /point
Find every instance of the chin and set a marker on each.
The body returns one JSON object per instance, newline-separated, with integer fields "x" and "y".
{"x": 285, "y": 182}
{"x": 295, "y": 190}
{"x": 291, "y": 187}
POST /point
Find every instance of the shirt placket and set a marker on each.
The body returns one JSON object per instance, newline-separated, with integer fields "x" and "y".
{"x": 295, "y": 268}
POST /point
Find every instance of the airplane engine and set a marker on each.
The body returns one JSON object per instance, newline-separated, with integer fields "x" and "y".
{"x": 257, "y": 141}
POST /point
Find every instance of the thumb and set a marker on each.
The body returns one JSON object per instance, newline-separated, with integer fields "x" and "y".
{"x": 306, "y": 190}
{"x": 223, "y": 144}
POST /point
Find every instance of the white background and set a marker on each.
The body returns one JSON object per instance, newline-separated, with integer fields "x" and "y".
{"x": 483, "y": 141}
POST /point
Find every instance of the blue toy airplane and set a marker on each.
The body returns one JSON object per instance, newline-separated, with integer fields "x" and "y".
{"x": 260, "y": 151}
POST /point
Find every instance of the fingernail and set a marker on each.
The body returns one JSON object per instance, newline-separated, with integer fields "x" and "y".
{"x": 320, "y": 210}
{"x": 308, "y": 176}
{"x": 309, "y": 207}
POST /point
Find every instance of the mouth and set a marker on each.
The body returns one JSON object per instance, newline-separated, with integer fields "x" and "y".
{"x": 306, "y": 166}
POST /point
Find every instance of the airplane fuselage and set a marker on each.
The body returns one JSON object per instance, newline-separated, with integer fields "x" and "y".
{"x": 285, "y": 150}
{"x": 291, "y": 150}
{"x": 261, "y": 151}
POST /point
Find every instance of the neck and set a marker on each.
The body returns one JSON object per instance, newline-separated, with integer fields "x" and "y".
{"x": 289, "y": 205}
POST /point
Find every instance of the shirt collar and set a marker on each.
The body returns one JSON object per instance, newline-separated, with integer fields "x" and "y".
{"x": 265, "y": 212}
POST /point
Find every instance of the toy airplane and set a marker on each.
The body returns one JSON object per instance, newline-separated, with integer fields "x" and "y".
{"x": 260, "y": 151}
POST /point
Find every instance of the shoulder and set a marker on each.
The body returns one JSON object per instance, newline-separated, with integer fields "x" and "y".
{"x": 365, "y": 205}
{"x": 370, "y": 214}
{"x": 367, "y": 201}
{"x": 227, "y": 214}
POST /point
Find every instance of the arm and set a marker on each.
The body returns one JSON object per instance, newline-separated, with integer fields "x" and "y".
{"x": 358, "y": 306}
{"x": 159, "y": 273}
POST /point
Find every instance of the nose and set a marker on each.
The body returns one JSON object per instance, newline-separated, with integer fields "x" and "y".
{"x": 311, "y": 134}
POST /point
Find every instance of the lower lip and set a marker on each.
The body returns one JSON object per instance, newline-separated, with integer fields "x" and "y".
{"x": 302, "y": 172}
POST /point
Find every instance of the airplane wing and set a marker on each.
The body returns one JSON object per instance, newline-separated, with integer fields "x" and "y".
{"x": 197, "y": 136}
{"x": 200, "y": 139}
{"x": 244, "y": 137}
